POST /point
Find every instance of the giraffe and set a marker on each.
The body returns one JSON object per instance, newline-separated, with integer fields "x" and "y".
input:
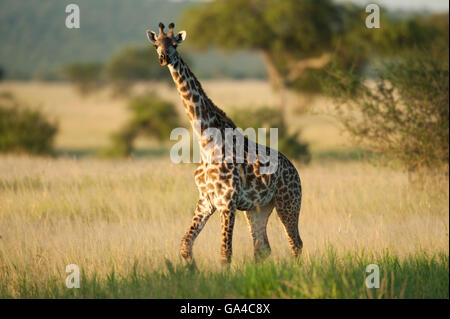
{"x": 227, "y": 185}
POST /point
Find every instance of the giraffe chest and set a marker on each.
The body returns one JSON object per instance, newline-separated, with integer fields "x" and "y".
{"x": 215, "y": 181}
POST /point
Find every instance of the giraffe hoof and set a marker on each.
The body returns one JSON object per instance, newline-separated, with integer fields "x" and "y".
{"x": 226, "y": 262}
{"x": 187, "y": 256}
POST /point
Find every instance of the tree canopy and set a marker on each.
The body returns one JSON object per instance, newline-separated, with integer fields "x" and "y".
{"x": 286, "y": 32}
{"x": 298, "y": 39}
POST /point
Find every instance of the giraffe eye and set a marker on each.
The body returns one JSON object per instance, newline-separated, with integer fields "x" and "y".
{"x": 155, "y": 46}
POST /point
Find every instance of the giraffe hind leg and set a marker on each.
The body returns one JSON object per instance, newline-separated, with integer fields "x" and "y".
{"x": 257, "y": 223}
{"x": 288, "y": 211}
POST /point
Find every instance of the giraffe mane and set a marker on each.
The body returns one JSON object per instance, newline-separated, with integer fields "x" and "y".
{"x": 216, "y": 109}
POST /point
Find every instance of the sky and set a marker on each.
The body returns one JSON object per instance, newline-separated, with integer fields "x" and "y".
{"x": 416, "y": 5}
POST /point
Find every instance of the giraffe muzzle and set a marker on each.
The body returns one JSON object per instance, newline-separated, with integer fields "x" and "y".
{"x": 164, "y": 59}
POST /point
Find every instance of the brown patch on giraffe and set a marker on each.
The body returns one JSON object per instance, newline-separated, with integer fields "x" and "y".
{"x": 191, "y": 109}
{"x": 187, "y": 96}
{"x": 212, "y": 172}
{"x": 228, "y": 195}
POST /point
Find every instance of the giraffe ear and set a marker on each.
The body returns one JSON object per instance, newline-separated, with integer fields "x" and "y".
{"x": 151, "y": 36}
{"x": 180, "y": 37}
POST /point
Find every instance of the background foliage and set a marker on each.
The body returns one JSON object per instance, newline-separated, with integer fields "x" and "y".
{"x": 265, "y": 117}
{"x": 406, "y": 114}
{"x": 23, "y": 130}
{"x": 151, "y": 117}
{"x": 85, "y": 76}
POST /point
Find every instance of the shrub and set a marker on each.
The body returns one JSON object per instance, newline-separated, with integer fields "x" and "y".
{"x": 405, "y": 115}
{"x": 265, "y": 117}
{"x": 150, "y": 117}
{"x": 23, "y": 129}
{"x": 85, "y": 76}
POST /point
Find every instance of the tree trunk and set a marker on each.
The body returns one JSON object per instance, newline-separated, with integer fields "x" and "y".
{"x": 276, "y": 80}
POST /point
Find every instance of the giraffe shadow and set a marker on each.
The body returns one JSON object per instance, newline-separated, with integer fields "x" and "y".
{"x": 181, "y": 269}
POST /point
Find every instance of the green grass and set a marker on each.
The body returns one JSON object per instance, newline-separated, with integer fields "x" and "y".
{"x": 326, "y": 276}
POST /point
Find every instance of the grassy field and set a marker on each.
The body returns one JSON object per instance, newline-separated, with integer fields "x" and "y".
{"x": 122, "y": 221}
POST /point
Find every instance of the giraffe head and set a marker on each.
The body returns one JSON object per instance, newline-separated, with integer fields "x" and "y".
{"x": 166, "y": 43}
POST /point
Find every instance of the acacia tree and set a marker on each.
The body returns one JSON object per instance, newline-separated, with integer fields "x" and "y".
{"x": 299, "y": 40}
{"x": 292, "y": 36}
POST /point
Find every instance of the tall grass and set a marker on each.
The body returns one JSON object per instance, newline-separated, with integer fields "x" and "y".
{"x": 325, "y": 276}
{"x": 104, "y": 215}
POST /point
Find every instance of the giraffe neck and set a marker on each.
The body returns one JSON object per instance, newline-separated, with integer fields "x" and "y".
{"x": 201, "y": 111}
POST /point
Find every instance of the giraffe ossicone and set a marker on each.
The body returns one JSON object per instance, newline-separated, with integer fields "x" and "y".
{"x": 233, "y": 180}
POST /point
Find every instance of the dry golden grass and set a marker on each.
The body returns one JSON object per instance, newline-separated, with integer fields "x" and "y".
{"x": 100, "y": 214}
{"x": 96, "y": 214}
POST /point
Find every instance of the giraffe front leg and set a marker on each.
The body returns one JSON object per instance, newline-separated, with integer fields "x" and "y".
{"x": 227, "y": 217}
{"x": 202, "y": 213}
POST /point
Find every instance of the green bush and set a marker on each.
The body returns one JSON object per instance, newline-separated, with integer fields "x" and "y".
{"x": 23, "y": 130}
{"x": 150, "y": 117}
{"x": 405, "y": 115}
{"x": 265, "y": 117}
{"x": 85, "y": 76}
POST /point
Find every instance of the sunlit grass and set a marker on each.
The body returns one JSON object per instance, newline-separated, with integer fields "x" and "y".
{"x": 104, "y": 215}
{"x": 325, "y": 276}
{"x": 124, "y": 219}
